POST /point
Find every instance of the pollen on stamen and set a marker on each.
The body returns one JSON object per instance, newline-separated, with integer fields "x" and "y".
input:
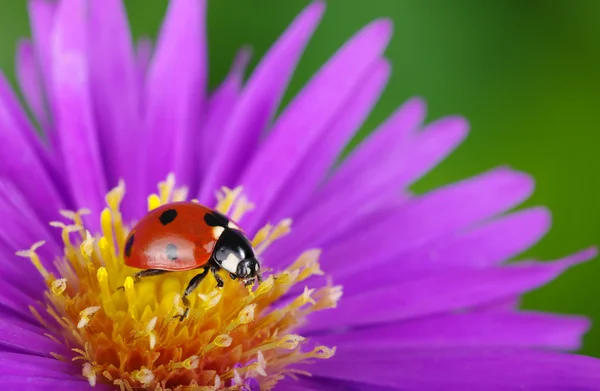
{"x": 89, "y": 374}
{"x": 131, "y": 336}
{"x": 58, "y": 286}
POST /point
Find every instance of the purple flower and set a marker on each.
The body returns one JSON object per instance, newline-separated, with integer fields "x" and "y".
{"x": 428, "y": 303}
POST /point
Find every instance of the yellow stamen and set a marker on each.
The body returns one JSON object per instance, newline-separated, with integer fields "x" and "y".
{"x": 75, "y": 217}
{"x": 226, "y": 198}
{"x": 130, "y": 295}
{"x": 107, "y": 303}
{"x": 106, "y": 221}
{"x": 210, "y": 300}
{"x": 241, "y": 208}
{"x": 59, "y": 286}
{"x": 88, "y": 373}
{"x": 35, "y": 259}
{"x": 130, "y": 336}
{"x": 153, "y": 202}
{"x": 87, "y": 246}
{"x": 86, "y": 315}
{"x": 165, "y": 188}
{"x": 279, "y": 231}
{"x": 145, "y": 376}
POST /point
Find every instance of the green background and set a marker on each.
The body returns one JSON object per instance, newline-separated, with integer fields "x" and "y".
{"x": 525, "y": 73}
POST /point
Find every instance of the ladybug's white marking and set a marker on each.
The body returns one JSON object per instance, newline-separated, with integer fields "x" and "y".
{"x": 217, "y": 232}
{"x": 233, "y": 225}
{"x": 230, "y": 263}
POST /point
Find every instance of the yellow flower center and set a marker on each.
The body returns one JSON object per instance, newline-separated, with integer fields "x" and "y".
{"x": 131, "y": 338}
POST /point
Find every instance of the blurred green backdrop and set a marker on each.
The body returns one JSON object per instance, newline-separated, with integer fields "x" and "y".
{"x": 525, "y": 73}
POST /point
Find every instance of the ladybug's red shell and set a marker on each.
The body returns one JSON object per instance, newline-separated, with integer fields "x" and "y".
{"x": 173, "y": 237}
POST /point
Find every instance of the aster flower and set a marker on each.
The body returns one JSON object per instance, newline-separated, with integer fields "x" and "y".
{"x": 372, "y": 287}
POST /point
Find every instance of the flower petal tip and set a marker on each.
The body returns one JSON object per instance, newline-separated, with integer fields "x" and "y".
{"x": 314, "y": 11}
{"x": 416, "y": 103}
{"x": 382, "y": 29}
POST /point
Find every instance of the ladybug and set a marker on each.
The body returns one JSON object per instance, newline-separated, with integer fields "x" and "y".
{"x": 186, "y": 235}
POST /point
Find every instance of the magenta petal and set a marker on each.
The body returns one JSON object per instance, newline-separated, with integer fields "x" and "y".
{"x": 468, "y": 330}
{"x": 43, "y": 383}
{"x": 175, "y": 92}
{"x": 28, "y": 365}
{"x": 304, "y": 383}
{"x": 441, "y": 293}
{"x": 429, "y": 217}
{"x": 42, "y": 14}
{"x": 20, "y": 226}
{"x": 26, "y": 341}
{"x": 396, "y": 164}
{"x": 306, "y": 121}
{"x": 143, "y": 56}
{"x": 73, "y": 107}
{"x": 481, "y": 247}
{"x": 25, "y": 168}
{"x": 323, "y": 154}
{"x": 30, "y": 81}
{"x": 396, "y": 129}
{"x": 114, "y": 82}
{"x": 220, "y": 107}
{"x": 258, "y": 103}
{"x": 458, "y": 369}
{"x": 345, "y": 198}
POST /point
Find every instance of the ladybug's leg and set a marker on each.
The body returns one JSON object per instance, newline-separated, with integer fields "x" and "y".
{"x": 214, "y": 271}
{"x": 144, "y": 273}
{"x": 193, "y": 284}
{"x": 148, "y": 273}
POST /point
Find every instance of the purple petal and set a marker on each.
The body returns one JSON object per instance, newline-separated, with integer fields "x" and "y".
{"x": 442, "y": 212}
{"x": 507, "y": 304}
{"x": 258, "y": 103}
{"x": 73, "y": 107}
{"x": 29, "y": 81}
{"x": 395, "y": 165}
{"x": 397, "y": 129}
{"x": 312, "y": 170}
{"x": 464, "y": 369}
{"x": 175, "y": 93}
{"x": 42, "y": 14}
{"x": 346, "y": 198}
{"x": 14, "y": 304}
{"x": 20, "y": 226}
{"x": 143, "y": 55}
{"x": 467, "y": 330}
{"x": 303, "y": 383}
{"x": 26, "y": 168}
{"x": 32, "y": 383}
{"x": 46, "y": 156}
{"x": 481, "y": 247}
{"x": 441, "y": 293}
{"x": 306, "y": 120}
{"x": 26, "y": 341}
{"x": 114, "y": 81}
{"x": 28, "y": 365}
{"x": 220, "y": 107}
{"x": 417, "y": 222}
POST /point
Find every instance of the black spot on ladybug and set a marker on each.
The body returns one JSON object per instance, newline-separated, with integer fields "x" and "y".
{"x": 216, "y": 219}
{"x": 171, "y": 251}
{"x": 167, "y": 216}
{"x": 128, "y": 246}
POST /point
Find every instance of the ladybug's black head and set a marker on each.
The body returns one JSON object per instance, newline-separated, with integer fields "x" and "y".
{"x": 234, "y": 253}
{"x": 248, "y": 270}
